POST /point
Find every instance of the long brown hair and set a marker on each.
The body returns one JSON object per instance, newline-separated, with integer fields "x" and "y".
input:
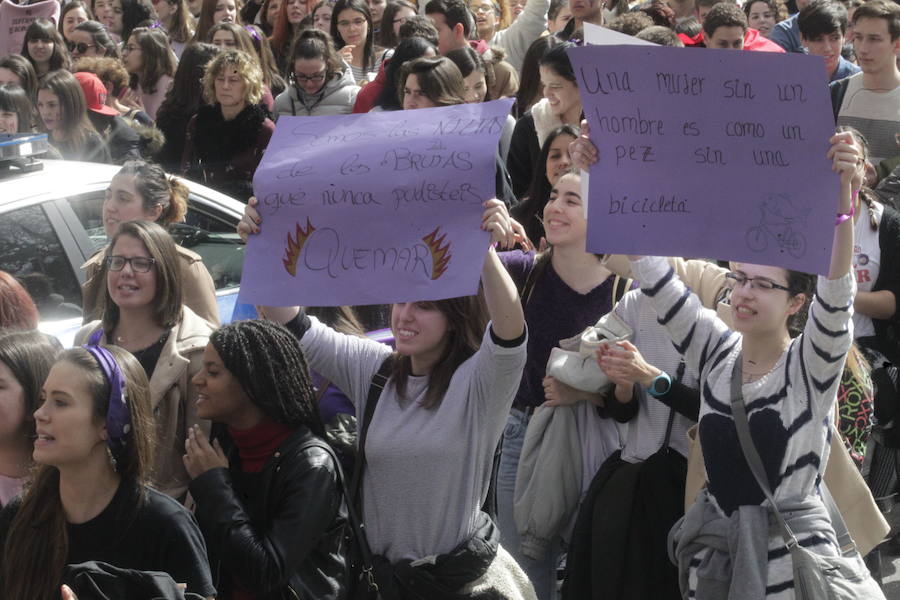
{"x": 37, "y": 545}
{"x": 207, "y": 12}
{"x": 169, "y": 296}
{"x": 73, "y": 109}
{"x": 29, "y": 355}
{"x": 158, "y": 58}
{"x": 181, "y": 29}
{"x": 466, "y": 320}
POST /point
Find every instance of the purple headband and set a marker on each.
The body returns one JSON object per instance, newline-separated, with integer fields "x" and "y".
{"x": 118, "y": 417}
{"x": 253, "y": 33}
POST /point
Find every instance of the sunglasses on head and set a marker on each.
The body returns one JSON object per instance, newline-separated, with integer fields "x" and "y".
{"x": 80, "y": 47}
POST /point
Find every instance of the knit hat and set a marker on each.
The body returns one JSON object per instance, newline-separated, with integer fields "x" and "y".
{"x": 95, "y": 93}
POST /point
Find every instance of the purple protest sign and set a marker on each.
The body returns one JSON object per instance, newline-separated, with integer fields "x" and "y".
{"x": 374, "y": 208}
{"x": 709, "y": 153}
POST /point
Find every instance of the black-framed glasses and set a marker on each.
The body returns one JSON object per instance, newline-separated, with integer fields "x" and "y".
{"x": 81, "y": 47}
{"x": 736, "y": 280}
{"x": 317, "y": 78}
{"x": 139, "y": 264}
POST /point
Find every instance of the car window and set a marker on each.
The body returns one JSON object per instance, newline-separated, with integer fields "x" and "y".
{"x": 31, "y": 251}
{"x": 89, "y": 210}
{"x": 207, "y": 233}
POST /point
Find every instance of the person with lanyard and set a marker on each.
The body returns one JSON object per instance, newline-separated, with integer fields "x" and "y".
{"x": 436, "y": 408}
{"x": 143, "y": 313}
{"x": 90, "y": 498}
{"x": 788, "y": 386}
{"x": 268, "y": 491}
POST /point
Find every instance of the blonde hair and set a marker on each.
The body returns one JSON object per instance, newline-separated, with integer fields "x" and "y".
{"x": 246, "y": 66}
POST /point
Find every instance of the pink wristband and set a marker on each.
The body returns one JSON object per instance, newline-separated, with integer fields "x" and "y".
{"x": 841, "y": 217}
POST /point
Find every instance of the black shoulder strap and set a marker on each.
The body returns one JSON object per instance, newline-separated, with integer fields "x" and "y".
{"x": 838, "y": 90}
{"x": 353, "y": 517}
{"x": 379, "y": 380}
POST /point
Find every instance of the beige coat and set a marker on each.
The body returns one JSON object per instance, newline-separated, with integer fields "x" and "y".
{"x": 173, "y": 397}
{"x": 199, "y": 292}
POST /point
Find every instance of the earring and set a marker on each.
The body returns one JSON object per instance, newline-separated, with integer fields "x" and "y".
{"x": 112, "y": 459}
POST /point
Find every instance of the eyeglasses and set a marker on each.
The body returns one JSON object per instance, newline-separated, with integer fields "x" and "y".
{"x": 80, "y": 47}
{"x": 483, "y": 8}
{"x": 139, "y": 264}
{"x": 737, "y": 280}
{"x": 317, "y": 78}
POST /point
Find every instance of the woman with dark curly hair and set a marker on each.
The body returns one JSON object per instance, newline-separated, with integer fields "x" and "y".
{"x": 270, "y": 460}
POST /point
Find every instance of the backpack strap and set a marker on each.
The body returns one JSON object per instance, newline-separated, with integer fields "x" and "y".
{"x": 357, "y": 528}
{"x": 379, "y": 380}
{"x": 838, "y": 90}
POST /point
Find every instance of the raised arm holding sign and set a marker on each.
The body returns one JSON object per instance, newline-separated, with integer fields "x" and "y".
{"x": 714, "y": 154}
{"x": 374, "y": 208}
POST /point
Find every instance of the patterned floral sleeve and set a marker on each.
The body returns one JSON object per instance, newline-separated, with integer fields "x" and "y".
{"x": 855, "y": 409}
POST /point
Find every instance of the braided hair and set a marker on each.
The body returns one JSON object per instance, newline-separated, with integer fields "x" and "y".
{"x": 267, "y": 361}
{"x": 865, "y": 193}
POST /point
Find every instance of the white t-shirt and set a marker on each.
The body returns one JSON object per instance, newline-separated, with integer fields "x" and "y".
{"x": 866, "y": 262}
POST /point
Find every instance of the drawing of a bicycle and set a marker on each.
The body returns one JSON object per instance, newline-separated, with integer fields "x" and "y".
{"x": 779, "y": 220}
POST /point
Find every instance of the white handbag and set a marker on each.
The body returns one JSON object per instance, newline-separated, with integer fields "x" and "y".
{"x": 574, "y": 362}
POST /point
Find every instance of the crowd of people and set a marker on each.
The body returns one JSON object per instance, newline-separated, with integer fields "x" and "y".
{"x": 570, "y": 432}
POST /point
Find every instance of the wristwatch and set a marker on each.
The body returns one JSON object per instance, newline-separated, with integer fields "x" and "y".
{"x": 660, "y": 385}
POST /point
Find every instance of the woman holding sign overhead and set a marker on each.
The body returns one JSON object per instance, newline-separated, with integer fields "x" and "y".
{"x": 724, "y": 546}
{"x": 435, "y": 409}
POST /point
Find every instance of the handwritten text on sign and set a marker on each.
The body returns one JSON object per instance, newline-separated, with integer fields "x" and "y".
{"x": 709, "y": 153}
{"x": 374, "y": 208}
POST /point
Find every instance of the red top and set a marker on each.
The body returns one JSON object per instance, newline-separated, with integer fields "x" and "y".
{"x": 257, "y": 444}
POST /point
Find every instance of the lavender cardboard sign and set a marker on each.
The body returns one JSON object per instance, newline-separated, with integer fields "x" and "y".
{"x": 374, "y": 208}
{"x": 709, "y": 153}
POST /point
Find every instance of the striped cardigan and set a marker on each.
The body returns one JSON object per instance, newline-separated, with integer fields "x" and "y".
{"x": 788, "y": 409}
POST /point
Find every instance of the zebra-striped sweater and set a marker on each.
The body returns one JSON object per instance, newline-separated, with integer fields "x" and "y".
{"x": 789, "y": 409}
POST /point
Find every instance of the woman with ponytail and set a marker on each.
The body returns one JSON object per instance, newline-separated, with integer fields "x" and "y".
{"x": 89, "y": 498}
{"x": 268, "y": 492}
{"x": 142, "y": 191}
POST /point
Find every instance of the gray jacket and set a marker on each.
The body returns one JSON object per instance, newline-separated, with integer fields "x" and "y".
{"x": 564, "y": 446}
{"x": 336, "y": 98}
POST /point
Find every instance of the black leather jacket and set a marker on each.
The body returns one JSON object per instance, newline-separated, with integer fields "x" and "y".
{"x": 279, "y": 534}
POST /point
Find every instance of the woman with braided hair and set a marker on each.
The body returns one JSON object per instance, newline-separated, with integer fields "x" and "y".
{"x": 268, "y": 494}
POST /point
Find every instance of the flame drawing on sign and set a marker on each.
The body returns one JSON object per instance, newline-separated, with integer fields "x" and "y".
{"x": 294, "y": 246}
{"x": 440, "y": 255}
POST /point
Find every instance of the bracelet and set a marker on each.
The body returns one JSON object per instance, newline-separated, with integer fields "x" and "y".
{"x": 841, "y": 217}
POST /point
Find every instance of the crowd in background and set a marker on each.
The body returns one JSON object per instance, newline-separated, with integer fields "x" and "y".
{"x": 493, "y": 467}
